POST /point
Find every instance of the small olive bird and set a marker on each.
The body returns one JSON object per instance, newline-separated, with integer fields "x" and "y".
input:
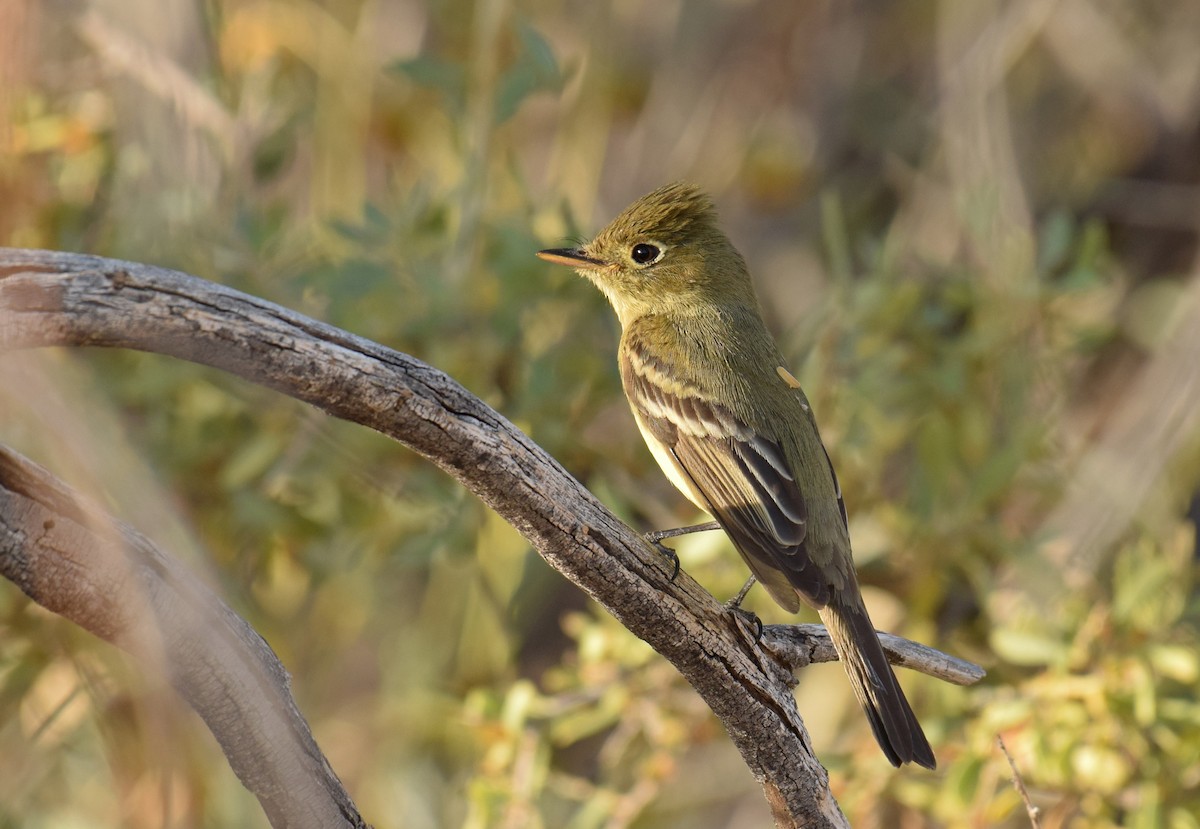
{"x": 731, "y": 428}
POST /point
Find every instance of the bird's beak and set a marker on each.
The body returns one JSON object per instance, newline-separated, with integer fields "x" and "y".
{"x": 571, "y": 257}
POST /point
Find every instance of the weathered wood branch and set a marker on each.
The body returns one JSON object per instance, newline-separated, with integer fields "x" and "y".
{"x": 805, "y": 644}
{"x": 74, "y": 559}
{"x": 49, "y": 298}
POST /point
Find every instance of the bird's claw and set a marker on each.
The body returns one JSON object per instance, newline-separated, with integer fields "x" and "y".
{"x": 656, "y": 537}
{"x": 666, "y": 551}
{"x": 747, "y": 616}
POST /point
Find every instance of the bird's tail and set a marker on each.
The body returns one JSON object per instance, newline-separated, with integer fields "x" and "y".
{"x": 892, "y": 719}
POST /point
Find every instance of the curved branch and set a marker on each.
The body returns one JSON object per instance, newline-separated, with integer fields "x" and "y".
{"x": 72, "y": 558}
{"x": 49, "y": 298}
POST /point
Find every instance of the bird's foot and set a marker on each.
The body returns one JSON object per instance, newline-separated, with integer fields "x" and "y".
{"x": 657, "y": 537}
{"x": 734, "y": 606}
{"x": 748, "y": 616}
{"x": 671, "y": 555}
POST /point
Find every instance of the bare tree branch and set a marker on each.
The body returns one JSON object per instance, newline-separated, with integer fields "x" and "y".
{"x": 72, "y": 558}
{"x": 1035, "y": 814}
{"x": 799, "y": 645}
{"x": 49, "y": 298}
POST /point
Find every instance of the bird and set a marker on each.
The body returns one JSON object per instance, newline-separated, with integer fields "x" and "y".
{"x": 732, "y": 429}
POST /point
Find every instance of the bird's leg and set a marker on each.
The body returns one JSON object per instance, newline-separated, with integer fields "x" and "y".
{"x": 734, "y": 605}
{"x": 657, "y": 536}
{"x": 736, "y": 602}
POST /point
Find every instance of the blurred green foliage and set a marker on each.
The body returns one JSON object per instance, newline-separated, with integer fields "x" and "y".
{"x": 936, "y": 241}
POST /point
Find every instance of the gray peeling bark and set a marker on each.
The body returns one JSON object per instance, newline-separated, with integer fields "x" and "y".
{"x": 49, "y": 298}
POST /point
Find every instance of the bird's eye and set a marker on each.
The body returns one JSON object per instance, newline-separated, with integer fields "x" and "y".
{"x": 644, "y": 254}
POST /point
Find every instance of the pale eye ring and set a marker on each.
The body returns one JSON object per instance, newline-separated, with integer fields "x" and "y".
{"x": 644, "y": 253}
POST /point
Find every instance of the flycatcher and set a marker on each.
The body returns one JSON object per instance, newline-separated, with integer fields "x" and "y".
{"x": 731, "y": 428}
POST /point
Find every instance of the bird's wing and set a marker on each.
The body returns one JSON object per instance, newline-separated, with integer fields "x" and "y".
{"x": 744, "y": 477}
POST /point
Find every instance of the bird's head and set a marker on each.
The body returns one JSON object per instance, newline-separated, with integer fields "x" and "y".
{"x": 663, "y": 253}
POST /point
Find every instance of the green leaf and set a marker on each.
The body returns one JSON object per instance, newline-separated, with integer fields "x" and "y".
{"x": 1055, "y": 238}
{"x": 535, "y": 71}
{"x": 450, "y": 79}
{"x": 1028, "y": 647}
{"x": 1178, "y": 662}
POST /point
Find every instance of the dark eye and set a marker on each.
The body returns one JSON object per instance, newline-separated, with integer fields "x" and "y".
{"x": 643, "y": 253}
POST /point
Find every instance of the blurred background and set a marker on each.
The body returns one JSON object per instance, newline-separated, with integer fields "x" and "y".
{"x": 973, "y": 227}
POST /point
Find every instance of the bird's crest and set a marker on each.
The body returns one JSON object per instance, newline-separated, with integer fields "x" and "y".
{"x": 672, "y": 211}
